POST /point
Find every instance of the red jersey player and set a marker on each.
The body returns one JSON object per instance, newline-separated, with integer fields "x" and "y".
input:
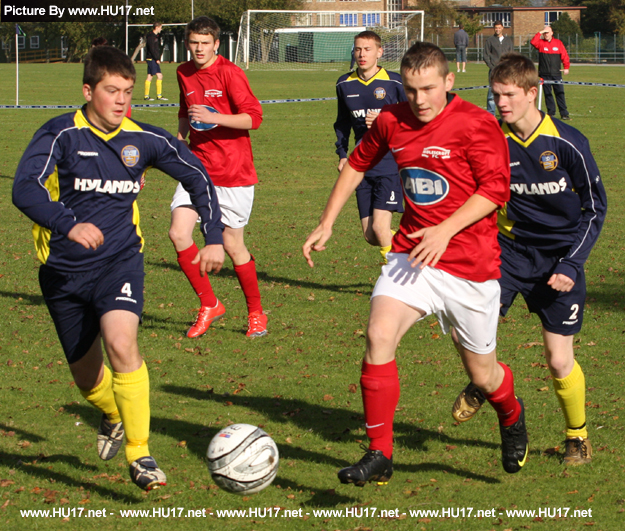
{"x": 217, "y": 108}
{"x": 454, "y": 165}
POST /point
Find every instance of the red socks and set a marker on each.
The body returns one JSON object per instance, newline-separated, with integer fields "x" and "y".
{"x": 248, "y": 279}
{"x": 503, "y": 400}
{"x": 200, "y": 284}
{"x": 380, "y": 395}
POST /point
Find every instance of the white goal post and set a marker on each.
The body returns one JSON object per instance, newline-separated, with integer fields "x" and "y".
{"x": 321, "y": 40}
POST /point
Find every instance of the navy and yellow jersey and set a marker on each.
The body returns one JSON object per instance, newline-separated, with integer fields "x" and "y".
{"x": 72, "y": 172}
{"x": 557, "y": 199}
{"x": 355, "y": 98}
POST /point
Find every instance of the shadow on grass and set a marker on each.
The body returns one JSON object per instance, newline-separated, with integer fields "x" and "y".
{"x": 6, "y": 177}
{"x": 28, "y": 465}
{"x": 198, "y": 436}
{"x": 333, "y": 424}
{"x": 266, "y": 277}
{"x": 22, "y": 434}
{"x": 29, "y": 298}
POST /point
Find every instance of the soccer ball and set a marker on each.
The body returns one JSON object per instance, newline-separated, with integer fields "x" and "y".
{"x": 201, "y": 126}
{"x": 242, "y": 459}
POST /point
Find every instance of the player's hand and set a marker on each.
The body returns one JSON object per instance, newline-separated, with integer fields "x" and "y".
{"x": 565, "y": 71}
{"x": 210, "y": 258}
{"x": 199, "y": 113}
{"x": 316, "y": 242}
{"x": 371, "y": 116}
{"x": 87, "y": 235}
{"x": 428, "y": 251}
{"x": 561, "y": 282}
{"x": 342, "y": 163}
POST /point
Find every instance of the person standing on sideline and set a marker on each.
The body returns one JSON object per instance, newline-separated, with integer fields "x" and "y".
{"x": 551, "y": 52}
{"x": 361, "y": 94}
{"x": 494, "y": 48}
{"x": 217, "y": 111}
{"x": 78, "y": 180}
{"x": 546, "y": 232}
{"x": 461, "y": 42}
{"x": 455, "y": 170}
{"x": 153, "y": 60}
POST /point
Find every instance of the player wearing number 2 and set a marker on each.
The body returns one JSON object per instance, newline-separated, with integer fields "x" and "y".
{"x": 217, "y": 110}
{"x": 78, "y": 181}
{"x": 546, "y": 232}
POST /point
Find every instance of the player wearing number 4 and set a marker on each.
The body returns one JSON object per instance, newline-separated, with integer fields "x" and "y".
{"x": 546, "y": 232}
{"x": 78, "y": 181}
{"x": 361, "y": 94}
{"x": 453, "y": 162}
{"x": 218, "y": 108}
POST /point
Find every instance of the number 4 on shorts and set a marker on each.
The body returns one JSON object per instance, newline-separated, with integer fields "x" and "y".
{"x": 126, "y": 289}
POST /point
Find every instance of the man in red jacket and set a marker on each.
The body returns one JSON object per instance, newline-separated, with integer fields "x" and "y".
{"x": 550, "y": 53}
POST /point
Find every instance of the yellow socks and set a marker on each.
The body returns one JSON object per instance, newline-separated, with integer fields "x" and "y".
{"x": 571, "y": 393}
{"x": 159, "y": 88}
{"x": 383, "y": 251}
{"x": 147, "y": 88}
{"x": 132, "y": 394}
{"x": 102, "y": 397}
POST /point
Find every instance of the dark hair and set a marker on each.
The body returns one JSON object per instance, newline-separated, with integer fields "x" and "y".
{"x": 371, "y": 35}
{"x": 425, "y": 55}
{"x": 461, "y": 26}
{"x": 515, "y": 69}
{"x": 202, "y": 26}
{"x": 156, "y": 25}
{"x": 498, "y": 23}
{"x": 99, "y": 41}
{"x": 102, "y": 60}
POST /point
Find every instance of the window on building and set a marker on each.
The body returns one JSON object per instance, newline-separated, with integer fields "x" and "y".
{"x": 394, "y": 5}
{"x": 348, "y": 19}
{"x": 21, "y": 42}
{"x": 326, "y": 19}
{"x": 34, "y": 42}
{"x": 371, "y": 19}
{"x": 489, "y": 19}
{"x": 551, "y": 17}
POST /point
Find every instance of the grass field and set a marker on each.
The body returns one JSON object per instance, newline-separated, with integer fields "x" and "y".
{"x": 300, "y": 382}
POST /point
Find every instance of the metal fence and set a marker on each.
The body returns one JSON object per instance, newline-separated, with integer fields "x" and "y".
{"x": 594, "y": 49}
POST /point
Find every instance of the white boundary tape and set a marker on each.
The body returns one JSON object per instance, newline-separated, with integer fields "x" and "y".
{"x": 298, "y": 100}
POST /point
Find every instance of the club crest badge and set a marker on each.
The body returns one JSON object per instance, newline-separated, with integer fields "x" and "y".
{"x": 130, "y": 156}
{"x": 549, "y": 161}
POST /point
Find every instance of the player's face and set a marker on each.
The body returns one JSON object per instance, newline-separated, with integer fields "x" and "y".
{"x": 548, "y": 34}
{"x": 498, "y": 30}
{"x": 367, "y": 53}
{"x": 202, "y": 48}
{"x": 426, "y": 91}
{"x": 514, "y": 105}
{"x": 108, "y": 102}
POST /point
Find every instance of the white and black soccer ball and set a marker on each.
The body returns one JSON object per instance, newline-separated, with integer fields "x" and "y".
{"x": 242, "y": 459}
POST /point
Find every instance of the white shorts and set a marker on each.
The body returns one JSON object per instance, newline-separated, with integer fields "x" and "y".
{"x": 235, "y": 203}
{"x": 472, "y": 308}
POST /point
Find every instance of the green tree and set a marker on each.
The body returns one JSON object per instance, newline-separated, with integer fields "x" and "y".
{"x": 565, "y": 26}
{"x": 606, "y": 16}
{"x": 439, "y": 15}
{"x": 472, "y": 25}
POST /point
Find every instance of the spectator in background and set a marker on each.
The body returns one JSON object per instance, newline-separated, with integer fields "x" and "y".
{"x": 494, "y": 48}
{"x": 153, "y": 59}
{"x": 550, "y": 53}
{"x": 461, "y": 42}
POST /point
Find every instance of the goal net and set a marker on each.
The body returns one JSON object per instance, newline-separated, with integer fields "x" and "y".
{"x": 321, "y": 40}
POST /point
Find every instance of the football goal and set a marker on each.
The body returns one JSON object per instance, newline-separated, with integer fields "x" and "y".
{"x": 321, "y": 40}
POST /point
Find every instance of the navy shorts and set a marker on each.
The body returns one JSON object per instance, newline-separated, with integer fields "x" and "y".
{"x": 383, "y": 193}
{"x": 77, "y": 301}
{"x": 526, "y": 270}
{"x": 153, "y": 67}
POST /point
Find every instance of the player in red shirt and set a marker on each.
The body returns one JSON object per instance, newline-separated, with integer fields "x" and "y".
{"x": 453, "y": 161}
{"x": 217, "y": 109}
